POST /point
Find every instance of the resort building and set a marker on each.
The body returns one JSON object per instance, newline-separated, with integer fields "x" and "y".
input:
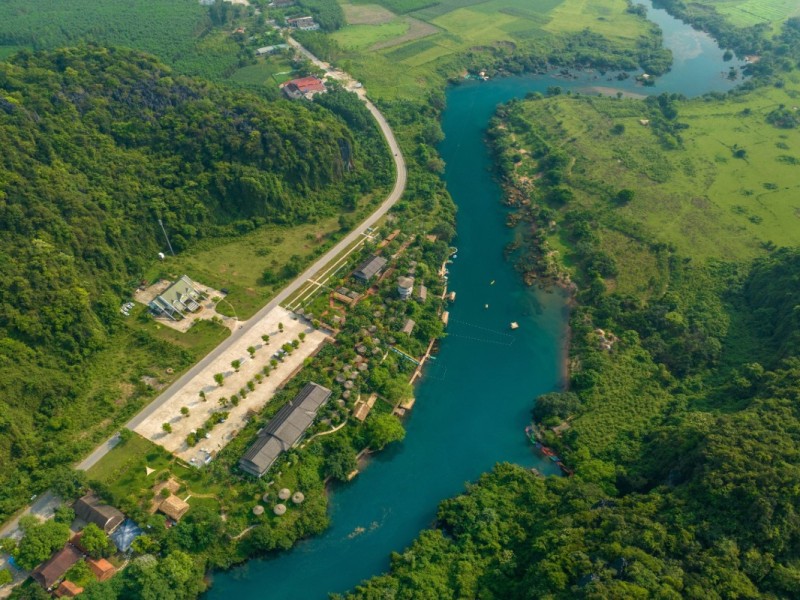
{"x": 408, "y": 327}
{"x": 405, "y": 286}
{"x": 92, "y": 510}
{"x": 173, "y": 507}
{"x": 305, "y": 87}
{"x": 270, "y": 49}
{"x": 49, "y": 573}
{"x": 346, "y": 296}
{"x": 101, "y": 568}
{"x": 285, "y": 429}
{"x": 422, "y": 293}
{"x": 369, "y": 268}
{"x": 178, "y": 299}
{"x": 67, "y": 589}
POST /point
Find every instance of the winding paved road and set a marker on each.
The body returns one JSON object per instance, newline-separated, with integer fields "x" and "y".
{"x": 391, "y": 199}
{"x": 10, "y": 528}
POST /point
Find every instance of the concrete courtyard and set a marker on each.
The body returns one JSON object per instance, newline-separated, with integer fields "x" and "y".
{"x": 200, "y": 410}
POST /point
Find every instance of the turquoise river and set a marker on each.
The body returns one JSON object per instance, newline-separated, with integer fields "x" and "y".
{"x": 475, "y": 398}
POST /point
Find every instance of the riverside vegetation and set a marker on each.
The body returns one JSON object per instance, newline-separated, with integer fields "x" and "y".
{"x": 679, "y": 238}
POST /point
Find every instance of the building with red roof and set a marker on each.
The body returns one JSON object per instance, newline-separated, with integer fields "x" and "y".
{"x": 305, "y": 87}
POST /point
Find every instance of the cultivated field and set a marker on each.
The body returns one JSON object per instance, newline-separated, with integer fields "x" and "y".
{"x": 201, "y": 409}
{"x": 397, "y": 46}
{"x": 744, "y": 13}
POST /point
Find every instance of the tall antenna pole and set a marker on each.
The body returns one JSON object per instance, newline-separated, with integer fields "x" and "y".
{"x": 166, "y": 237}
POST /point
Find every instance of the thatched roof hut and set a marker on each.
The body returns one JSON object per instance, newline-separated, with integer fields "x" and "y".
{"x": 284, "y": 493}
{"x": 298, "y": 497}
{"x": 279, "y": 509}
{"x": 174, "y": 507}
{"x": 258, "y": 510}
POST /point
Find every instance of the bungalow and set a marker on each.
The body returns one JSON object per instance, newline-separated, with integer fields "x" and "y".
{"x": 303, "y": 23}
{"x": 101, "y": 568}
{"x": 179, "y": 298}
{"x": 305, "y": 87}
{"x": 67, "y": 589}
{"x": 173, "y": 507}
{"x": 422, "y": 293}
{"x": 92, "y": 510}
{"x": 49, "y": 573}
{"x": 408, "y": 327}
{"x": 285, "y": 429}
{"x": 369, "y": 268}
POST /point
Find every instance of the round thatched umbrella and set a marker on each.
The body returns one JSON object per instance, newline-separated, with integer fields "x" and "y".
{"x": 346, "y": 394}
{"x": 284, "y": 493}
{"x": 279, "y": 509}
{"x": 348, "y": 385}
{"x": 258, "y": 510}
{"x": 298, "y": 497}
{"x": 265, "y": 497}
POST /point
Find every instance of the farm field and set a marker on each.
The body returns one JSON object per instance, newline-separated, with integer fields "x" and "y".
{"x": 744, "y": 13}
{"x": 394, "y": 47}
{"x": 266, "y": 72}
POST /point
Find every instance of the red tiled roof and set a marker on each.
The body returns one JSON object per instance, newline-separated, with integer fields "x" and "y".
{"x": 67, "y": 589}
{"x": 307, "y": 84}
{"x": 101, "y": 568}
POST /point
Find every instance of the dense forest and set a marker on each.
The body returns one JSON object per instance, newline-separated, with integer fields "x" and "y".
{"x": 98, "y": 146}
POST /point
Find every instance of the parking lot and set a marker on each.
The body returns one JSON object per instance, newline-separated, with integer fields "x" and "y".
{"x": 200, "y": 409}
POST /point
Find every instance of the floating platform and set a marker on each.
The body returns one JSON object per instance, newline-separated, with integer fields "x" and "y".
{"x": 514, "y": 325}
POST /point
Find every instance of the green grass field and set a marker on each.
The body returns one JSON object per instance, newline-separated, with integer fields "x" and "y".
{"x": 393, "y": 60}
{"x": 744, "y": 13}
{"x": 269, "y": 72}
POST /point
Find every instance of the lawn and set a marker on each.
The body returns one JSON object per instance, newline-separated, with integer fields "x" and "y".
{"x": 358, "y": 37}
{"x": 270, "y": 71}
{"x": 701, "y": 198}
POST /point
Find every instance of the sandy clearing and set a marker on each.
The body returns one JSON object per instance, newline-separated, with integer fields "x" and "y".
{"x": 199, "y": 410}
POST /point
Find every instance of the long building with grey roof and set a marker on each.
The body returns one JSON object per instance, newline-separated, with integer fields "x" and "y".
{"x": 285, "y": 429}
{"x": 369, "y": 268}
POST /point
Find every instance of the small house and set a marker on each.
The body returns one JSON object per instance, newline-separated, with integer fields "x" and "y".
{"x": 174, "y": 507}
{"x": 67, "y": 589}
{"x": 49, "y": 573}
{"x": 408, "y": 327}
{"x": 304, "y": 87}
{"x": 303, "y": 23}
{"x": 101, "y": 568}
{"x": 92, "y": 510}
{"x": 422, "y": 293}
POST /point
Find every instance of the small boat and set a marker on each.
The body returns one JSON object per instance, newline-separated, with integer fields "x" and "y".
{"x": 485, "y": 306}
{"x": 514, "y": 325}
{"x": 492, "y": 283}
